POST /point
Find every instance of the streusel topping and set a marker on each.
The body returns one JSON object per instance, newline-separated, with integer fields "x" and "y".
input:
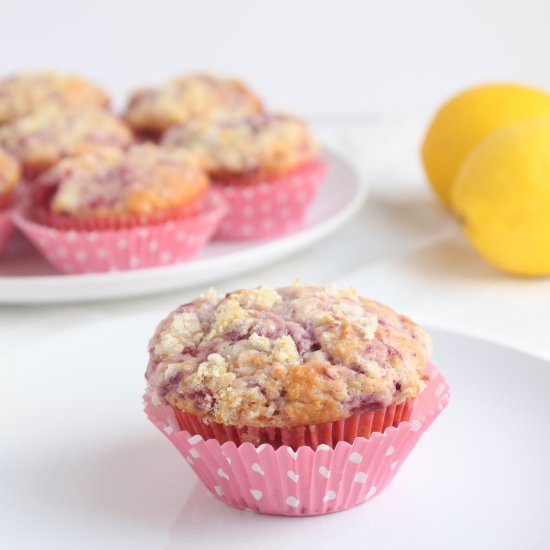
{"x": 41, "y": 139}
{"x": 286, "y": 357}
{"x": 142, "y": 180}
{"x": 23, "y": 94}
{"x": 154, "y": 110}
{"x": 269, "y": 144}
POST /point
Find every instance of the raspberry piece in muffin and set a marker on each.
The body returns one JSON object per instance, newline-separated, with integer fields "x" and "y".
{"x": 145, "y": 184}
{"x": 9, "y": 176}
{"x": 47, "y": 136}
{"x": 294, "y": 356}
{"x": 152, "y": 111}
{"x": 25, "y": 93}
{"x": 237, "y": 150}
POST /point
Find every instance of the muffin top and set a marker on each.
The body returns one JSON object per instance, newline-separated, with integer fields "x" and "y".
{"x": 43, "y": 138}
{"x": 23, "y": 94}
{"x": 287, "y": 357}
{"x": 9, "y": 174}
{"x": 142, "y": 180}
{"x": 154, "y": 110}
{"x": 266, "y": 144}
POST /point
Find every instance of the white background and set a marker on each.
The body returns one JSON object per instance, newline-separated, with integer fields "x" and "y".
{"x": 320, "y": 58}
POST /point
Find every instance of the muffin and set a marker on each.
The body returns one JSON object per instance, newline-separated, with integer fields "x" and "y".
{"x": 24, "y": 94}
{"x": 152, "y": 111}
{"x": 146, "y": 206}
{"x": 267, "y": 165}
{"x": 299, "y": 400}
{"x": 42, "y": 139}
{"x": 112, "y": 188}
{"x": 244, "y": 151}
{"x": 300, "y": 356}
{"x": 9, "y": 176}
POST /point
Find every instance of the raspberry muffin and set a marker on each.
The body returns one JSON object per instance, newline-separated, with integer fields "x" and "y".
{"x": 115, "y": 209}
{"x": 112, "y": 188}
{"x": 267, "y": 166}
{"x": 301, "y": 365}
{"x": 23, "y": 94}
{"x": 244, "y": 151}
{"x": 9, "y": 176}
{"x": 41, "y": 139}
{"x": 152, "y": 111}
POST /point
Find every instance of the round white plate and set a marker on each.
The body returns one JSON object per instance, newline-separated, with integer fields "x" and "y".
{"x": 25, "y": 277}
{"x": 81, "y": 467}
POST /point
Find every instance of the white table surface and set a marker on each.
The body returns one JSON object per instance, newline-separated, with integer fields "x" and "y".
{"x": 402, "y": 248}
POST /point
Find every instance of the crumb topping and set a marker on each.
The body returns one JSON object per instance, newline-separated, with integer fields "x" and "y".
{"x": 154, "y": 110}
{"x": 141, "y": 180}
{"x": 23, "y": 94}
{"x": 41, "y": 139}
{"x": 9, "y": 173}
{"x": 298, "y": 355}
{"x": 269, "y": 144}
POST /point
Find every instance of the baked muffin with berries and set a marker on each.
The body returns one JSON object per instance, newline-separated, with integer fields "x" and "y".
{"x": 113, "y": 188}
{"x": 298, "y": 365}
{"x": 244, "y": 151}
{"x": 117, "y": 209}
{"x": 25, "y": 93}
{"x": 152, "y": 111}
{"x": 42, "y": 139}
{"x": 267, "y": 165}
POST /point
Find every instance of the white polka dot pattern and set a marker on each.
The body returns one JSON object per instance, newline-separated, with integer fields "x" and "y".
{"x": 124, "y": 249}
{"x": 304, "y": 482}
{"x": 271, "y": 208}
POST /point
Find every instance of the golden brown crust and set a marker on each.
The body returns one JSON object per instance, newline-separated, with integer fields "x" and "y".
{"x": 24, "y": 94}
{"x": 152, "y": 111}
{"x": 287, "y": 357}
{"x": 265, "y": 144}
{"x": 47, "y": 136}
{"x": 143, "y": 180}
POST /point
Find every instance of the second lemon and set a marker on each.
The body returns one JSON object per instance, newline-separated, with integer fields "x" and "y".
{"x": 467, "y": 119}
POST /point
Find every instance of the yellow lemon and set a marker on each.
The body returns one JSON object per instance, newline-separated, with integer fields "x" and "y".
{"x": 502, "y": 195}
{"x": 467, "y": 119}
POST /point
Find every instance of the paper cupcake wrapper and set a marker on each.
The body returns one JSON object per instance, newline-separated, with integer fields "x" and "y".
{"x": 124, "y": 249}
{"x": 329, "y": 433}
{"x": 6, "y": 227}
{"x": 304, "y": 482}
{"x": 270, "y": 208}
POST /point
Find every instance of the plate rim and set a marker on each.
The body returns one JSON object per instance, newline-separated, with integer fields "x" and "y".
{"x": 18, "y": 290}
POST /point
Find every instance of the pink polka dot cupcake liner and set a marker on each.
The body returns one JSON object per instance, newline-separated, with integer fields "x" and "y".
{"x": 270, "y": 208}
{"x": 329, "y": 433}
{"x": 174, "y": 241}
{"x": 303, "y": 481}
{"x": 6, "y": 227}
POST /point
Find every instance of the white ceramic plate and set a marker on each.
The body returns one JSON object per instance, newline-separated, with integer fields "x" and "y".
{"x": 25, "y": 277}
{"x": 81, "y": 467}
